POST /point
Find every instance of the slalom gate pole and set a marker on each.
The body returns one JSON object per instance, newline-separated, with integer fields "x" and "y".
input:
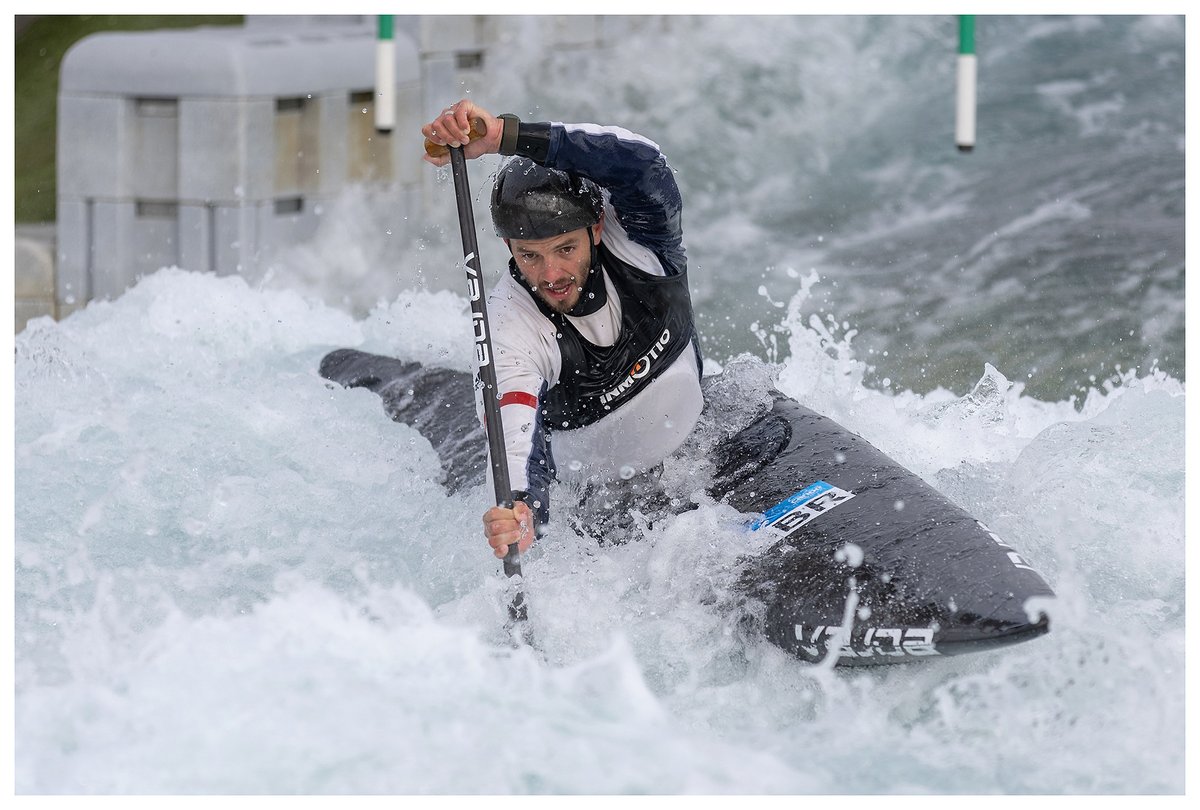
{"x": 517, "y": 609}
{"x": 964, "y": 121}
{"x": 385, "y": 75}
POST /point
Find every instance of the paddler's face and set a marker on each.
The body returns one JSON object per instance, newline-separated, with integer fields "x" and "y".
{"x": 556, "y": 267}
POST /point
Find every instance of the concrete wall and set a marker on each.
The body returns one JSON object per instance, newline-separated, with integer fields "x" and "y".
{"x": 211, "y": 148}
{"x": 33, "y": 293}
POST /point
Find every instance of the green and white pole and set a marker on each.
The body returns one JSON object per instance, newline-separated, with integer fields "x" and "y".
{"x": 385, "y": 76}
{"x": 964, "y": 125}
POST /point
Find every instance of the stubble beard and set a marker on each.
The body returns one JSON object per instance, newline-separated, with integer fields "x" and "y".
{"x": 560, "y": 305}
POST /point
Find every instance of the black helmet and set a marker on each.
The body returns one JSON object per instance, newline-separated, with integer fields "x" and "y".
{"x": 530, "y": 201}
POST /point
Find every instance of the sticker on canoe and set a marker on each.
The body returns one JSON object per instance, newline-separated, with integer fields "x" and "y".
{"x": 895, "y": 642}
{"x": 793, "y": 512}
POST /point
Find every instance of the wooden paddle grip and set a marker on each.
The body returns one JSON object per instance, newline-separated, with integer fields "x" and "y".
{"x": 478, "y": 130}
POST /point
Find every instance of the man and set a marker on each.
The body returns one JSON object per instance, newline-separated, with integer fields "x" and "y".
{"x": 592, "y": 326}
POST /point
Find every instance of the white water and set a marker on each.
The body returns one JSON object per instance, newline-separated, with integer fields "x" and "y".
{"x": 233, "y": 577}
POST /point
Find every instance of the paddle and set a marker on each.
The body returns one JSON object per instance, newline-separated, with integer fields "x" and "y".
{"x": 517, "y": 610}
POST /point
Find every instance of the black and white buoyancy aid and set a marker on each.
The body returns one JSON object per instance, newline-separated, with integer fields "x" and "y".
{"x": 656, "y": 327}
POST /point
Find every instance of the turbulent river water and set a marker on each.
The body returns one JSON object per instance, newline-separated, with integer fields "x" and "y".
{"x": 232, "y": 577}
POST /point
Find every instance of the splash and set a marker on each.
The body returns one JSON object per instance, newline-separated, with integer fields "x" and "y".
{"x": 224, "y": 564}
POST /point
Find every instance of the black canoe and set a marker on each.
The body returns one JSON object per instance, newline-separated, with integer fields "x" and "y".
{"x": 867, "y": 559}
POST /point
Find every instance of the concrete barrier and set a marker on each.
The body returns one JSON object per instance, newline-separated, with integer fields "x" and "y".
{"x": 212, "y": 148}
{"x": 33, "y": 274}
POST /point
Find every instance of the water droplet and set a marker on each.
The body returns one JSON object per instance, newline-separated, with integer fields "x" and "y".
{"x": 850, "y": 554}
{"x": 898, "y": 506}
{"x": 628, "y": 472}
{"x": 575, "y": 465}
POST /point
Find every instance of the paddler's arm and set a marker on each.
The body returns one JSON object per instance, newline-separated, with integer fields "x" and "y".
{"x": 631, "y": 167}
{"x": 522, "y": 363}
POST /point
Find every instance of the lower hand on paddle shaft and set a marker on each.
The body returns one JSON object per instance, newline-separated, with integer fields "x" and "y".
{"x": 503, "y": 527}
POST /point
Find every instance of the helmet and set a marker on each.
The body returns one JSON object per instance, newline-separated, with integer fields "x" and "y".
{"x": 530, "y": 201}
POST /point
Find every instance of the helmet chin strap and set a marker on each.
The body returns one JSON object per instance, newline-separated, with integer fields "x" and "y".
{"x": 594, "y": 262}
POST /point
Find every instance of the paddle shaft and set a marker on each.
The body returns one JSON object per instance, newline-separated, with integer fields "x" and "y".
{"x": 484, "y": 358}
